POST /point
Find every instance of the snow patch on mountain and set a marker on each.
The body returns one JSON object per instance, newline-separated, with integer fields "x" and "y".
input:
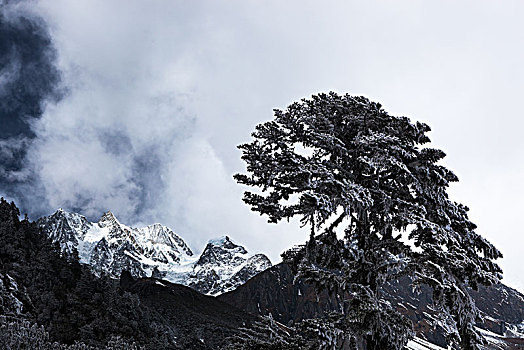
{"x": 111, "y": 247}
{"x": 420, "y": 344}
{"x": 10, "y": 303}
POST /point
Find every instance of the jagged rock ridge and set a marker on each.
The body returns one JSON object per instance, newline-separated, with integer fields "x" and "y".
{"x": 111, "y": 247}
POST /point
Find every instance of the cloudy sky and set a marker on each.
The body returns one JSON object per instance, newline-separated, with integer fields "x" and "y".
{"x": 138, "y": 106}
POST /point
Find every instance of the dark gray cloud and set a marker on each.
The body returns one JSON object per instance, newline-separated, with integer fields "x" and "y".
{"x": 93, "y": 151}
{"x": 28, "y": 74}
{"x": 29, "y": 78}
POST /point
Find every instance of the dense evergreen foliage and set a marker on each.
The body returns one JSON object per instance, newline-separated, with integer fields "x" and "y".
{"x": 18, "y": 334}
{"x": 56, "y": 292}
{"x": 341, "y": 163}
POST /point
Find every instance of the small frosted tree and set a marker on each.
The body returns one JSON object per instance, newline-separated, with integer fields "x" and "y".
{"x": 343, "y": 164}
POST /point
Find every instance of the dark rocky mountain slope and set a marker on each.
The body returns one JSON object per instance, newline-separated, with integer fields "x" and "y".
{"x": 275, "y": 292}
{"x": 197, "y": 321}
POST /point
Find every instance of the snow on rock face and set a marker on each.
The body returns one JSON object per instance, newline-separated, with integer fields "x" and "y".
{"x": 223, "y": 266}
{"x": 10, "y": 294}
{"x": 420, "y": 344}
{"x": 111, "y": 247}
{"x": 162, "y": 244}
{"x": 155, "y": 250}
{"x": 66, "y": 228}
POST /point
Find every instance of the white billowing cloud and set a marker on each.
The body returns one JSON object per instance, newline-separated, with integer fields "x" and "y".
{"x": 95, "y": 146}
{"x": 108, "y": 144}
{"x": 162, "y": 92}
{"x": 203, "y": 199}
{"x": 134, "y": 134}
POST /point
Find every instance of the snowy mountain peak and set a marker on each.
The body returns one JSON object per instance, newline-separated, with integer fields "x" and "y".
{"x": 154, "y": 250}
{"x": 64, "y": 227}
{"x": 224, "y": 243}
{"x": 61, "y": 213}
{"x": 159, "y": 235}
{"x": 223, "y": 265}
{"x": 220, "y": 240}
{"x": 108, "y": 219}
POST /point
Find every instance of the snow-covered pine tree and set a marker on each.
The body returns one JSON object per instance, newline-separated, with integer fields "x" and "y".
{"x": 343, "y": 164}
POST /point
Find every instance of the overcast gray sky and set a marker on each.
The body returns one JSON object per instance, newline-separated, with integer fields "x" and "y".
{"x": 160, "y": 93}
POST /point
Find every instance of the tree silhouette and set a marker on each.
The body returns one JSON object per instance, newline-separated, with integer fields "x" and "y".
{"x": 342, "y": 163}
